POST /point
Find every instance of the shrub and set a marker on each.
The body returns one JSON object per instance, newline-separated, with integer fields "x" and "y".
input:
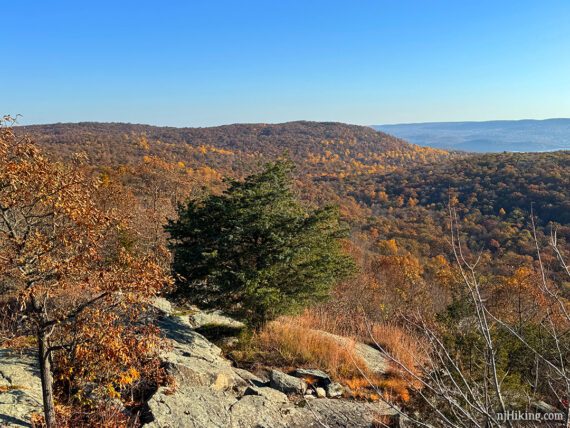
{"x": 255, "y": 251}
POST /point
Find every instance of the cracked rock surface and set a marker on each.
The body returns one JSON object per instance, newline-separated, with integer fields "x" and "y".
{"x": 211, "y": 393}
{"x": 20, "y": 388}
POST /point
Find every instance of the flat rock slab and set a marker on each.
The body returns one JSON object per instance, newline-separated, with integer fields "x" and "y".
{"x": 200, "y": 407}
{"x": 210, "y": 393}
{"x": 214, "y": 318}
{"x": 20, "y": 388}
{"x": 346, "y": 413}
{"x": 312, "y": 376}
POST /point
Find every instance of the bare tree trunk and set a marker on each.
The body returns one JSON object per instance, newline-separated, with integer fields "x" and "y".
{"x": 46, "y": 378}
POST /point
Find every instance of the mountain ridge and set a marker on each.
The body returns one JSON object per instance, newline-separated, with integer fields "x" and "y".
{"x": 524, "y": 135}
{"x": 327, "y": 147}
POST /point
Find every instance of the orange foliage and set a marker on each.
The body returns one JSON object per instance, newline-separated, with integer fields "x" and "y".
{"x": 79, "y": 287}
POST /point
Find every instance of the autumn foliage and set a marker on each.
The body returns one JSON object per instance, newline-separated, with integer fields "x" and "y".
{"x": 79, "y": 292}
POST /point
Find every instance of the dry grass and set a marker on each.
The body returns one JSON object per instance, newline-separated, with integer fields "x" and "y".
{"x": 294, "y": 343}
{"x": 407, "y": 349}
{"x": 402, "y": 345}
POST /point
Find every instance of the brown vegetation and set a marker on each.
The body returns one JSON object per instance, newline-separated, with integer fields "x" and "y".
{"x": 73, "y": 281}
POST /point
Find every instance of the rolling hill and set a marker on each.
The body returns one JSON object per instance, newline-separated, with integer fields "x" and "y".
{"x": 318, "y": 148}
{"x": 491, "y": 136}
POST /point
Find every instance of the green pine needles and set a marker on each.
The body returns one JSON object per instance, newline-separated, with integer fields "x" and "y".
{"x": 255, "y": 251}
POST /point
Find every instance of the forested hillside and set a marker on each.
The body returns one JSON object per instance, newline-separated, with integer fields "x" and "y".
{"x": 321, "y": 148}
{"x": 494, "y": 194}
{"x": 387, "y": 188}
{"x": 323, "y": 239}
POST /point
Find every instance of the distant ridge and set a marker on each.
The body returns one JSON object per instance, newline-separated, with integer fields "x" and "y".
{"x": 323, "y": 149}
{"x": 527, "y": 135}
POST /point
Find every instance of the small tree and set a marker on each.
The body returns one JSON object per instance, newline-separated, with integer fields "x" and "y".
{"x": 255, "y": 251}
{"x": 55, "y": 257}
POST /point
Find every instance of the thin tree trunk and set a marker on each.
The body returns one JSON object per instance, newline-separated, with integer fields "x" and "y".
{"x": 46, "y": 378}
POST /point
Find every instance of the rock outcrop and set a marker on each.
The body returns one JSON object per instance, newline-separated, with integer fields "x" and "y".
{"x": 207, "y": 391}
{"x": 210, "y": 393}
{"x": 216, "y": 318}
{"x": 20, "y": 388}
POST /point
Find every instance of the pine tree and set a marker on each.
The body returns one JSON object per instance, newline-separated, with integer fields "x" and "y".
{"x": 255, "y": 251}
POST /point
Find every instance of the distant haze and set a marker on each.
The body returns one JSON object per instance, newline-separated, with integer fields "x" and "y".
{"x": 491, "y": 136}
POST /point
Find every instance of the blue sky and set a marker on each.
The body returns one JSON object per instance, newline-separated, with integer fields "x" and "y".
{"x": 202, "y": 63}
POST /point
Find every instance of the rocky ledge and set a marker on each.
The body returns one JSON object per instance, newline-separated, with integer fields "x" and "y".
{"x": 209, "y": 392}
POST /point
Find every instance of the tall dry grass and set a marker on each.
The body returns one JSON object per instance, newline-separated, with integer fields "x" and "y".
{"x": 302, "y": 341}
{"x": 408, "y": 350}
{"x": 292, "y": 341}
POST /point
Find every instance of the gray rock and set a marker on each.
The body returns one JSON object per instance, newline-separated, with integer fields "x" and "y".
{"x": 162, "y": 305}
{"x": 269, "y": 393}
{"x": 321, "y": 393}
{"x": 217, "y": 318}
{"x": 345, "y": 413}
{"x": 259, "y": 412}
{"x": 334, "y": 389}
{"x": 250, "y": 378}
{"x": 21, "y": 388}
{"x": 311, "y": 375}
{"x": 201, "y": 407}
{"x": 209, "y": 393}
{"x": 286, "y": 383}
{"x": 194, "y": 360}
{"x": 195, "y": 406}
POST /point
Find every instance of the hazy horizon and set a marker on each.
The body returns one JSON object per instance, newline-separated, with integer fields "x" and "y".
{"x": 19, "y": 122}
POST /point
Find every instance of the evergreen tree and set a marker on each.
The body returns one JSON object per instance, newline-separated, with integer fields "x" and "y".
{"x": 255, "y": 251}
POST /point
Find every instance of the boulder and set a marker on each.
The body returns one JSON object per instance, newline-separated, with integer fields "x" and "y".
{"x": 334, "y": 389}
{"x": 313, "y": 377}
{"x": 286, "y": 383}
{"x": 20, "y": 388}
{"x": 321, "y": 393}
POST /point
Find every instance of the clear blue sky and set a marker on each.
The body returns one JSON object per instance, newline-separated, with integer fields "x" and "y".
{"x": 201, "y": 63}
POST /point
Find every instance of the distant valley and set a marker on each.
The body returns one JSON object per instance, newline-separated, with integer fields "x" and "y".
{"x": 489, "y": 136}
